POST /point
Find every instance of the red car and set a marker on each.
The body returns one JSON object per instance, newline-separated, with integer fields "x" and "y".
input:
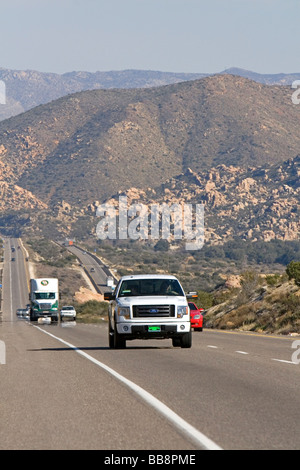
{"x": 196, "y": 317}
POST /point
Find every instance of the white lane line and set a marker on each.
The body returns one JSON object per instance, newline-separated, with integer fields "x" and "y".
{"x": 10, "y": 286}
{"x": 286, "y": 362}
{"x": 246, "y": 353}
{"x": 193, "y": 434}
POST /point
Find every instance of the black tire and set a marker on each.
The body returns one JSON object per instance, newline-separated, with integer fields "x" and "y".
{"x": 119, "y": 341}
{"x": 111, "y": 340}
{"x": 186, "y": 340}
{"x": 32, "y": 316}
{"x": 176, "y": 342}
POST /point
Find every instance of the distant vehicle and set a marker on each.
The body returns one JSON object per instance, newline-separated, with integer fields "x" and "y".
{"x": 43, "y": 298}
{"x": 196, "y": 317}
{"x": 92, "y": 270}
{"x": 110, "y": 281}
{"x": 27, "y": 310}
{"x": 68, "y": 311}
{"x": 23, "y": 312}
{"x": 13, "y": 259}
{"x": 13, "y": 249}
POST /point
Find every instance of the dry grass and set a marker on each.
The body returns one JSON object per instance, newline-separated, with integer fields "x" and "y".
{"x": 269, "y": 309}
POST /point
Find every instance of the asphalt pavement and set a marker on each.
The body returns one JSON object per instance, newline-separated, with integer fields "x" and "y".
{"x": 63, "y": 388}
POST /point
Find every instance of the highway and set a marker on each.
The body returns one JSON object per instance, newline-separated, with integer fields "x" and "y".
{"x": 63, "y": 388}
{"x": 96, "y": 270}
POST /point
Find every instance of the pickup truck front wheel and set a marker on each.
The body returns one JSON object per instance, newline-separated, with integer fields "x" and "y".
{"x": 186, "y": 340}
{"x": 119, "y": 341}
{"x": 183, "y": 341}
{"x": 111, "y": 337}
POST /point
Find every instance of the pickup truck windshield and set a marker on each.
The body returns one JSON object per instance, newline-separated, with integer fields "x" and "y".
{"x": 137, "y": 287}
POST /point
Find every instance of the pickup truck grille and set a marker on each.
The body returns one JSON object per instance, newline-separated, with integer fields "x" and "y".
{"x": 153, "y": 311}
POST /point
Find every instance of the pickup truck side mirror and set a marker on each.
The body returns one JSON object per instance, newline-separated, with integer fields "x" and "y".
{"x": 109, "y": 296}
{"x": 192, "y": 295}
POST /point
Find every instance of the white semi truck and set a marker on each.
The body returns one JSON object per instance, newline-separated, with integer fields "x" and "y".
{"x": 148, "y": 307}
{"x": 44, "y": 298}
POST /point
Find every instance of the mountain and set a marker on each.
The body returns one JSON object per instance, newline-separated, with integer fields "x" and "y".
{"x": 251, "y": 204}
{"x": 267, "y": 78}
{"x": 26, "y": 89}
{"x": 86, "y": 146}
{"x": 70, "y": 155}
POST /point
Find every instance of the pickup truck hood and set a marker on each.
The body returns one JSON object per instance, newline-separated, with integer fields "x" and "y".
{"x": 157, "y": 300}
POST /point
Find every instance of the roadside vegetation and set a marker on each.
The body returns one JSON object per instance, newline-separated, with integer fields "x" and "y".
{"x": 269, "y": 304}
{"x": 203, "y": 269}
{"x": 50, "y": 253}
{"x": 91, "y": 311}
{"x": 257, "y": 301}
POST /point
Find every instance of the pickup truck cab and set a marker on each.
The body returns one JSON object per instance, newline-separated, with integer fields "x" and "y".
{"x": 146, "y": 307}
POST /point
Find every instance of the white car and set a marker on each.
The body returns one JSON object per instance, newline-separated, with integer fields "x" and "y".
{"x": 68, "y": 311}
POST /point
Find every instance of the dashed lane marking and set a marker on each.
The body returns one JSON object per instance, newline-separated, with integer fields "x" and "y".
{"x": 202, "y": 441}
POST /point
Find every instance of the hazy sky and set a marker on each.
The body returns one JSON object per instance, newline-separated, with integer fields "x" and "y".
{"x": 168, "y": 35}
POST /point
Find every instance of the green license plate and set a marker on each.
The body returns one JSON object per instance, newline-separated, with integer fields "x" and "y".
{"x": 153, "y": 328}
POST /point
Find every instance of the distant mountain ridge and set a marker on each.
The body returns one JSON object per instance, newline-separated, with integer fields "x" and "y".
{"x": 26, "y": 89}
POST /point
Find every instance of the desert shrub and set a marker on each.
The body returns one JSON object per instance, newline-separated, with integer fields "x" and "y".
{"x": 273, "y": 279}
{"x": 250, "y": 282}
{"x": 293, "y": 271}
{"x": 92, "y": 311}
{"x": 205, "y": 299}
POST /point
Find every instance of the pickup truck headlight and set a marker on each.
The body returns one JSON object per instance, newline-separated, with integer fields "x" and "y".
{"x": 182, "y": 310}
{"x": 124, "y": 312}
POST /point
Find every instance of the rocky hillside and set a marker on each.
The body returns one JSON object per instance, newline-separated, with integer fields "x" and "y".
{"x": 87, "y": 146}
{"x": 224, "y": 141}
{"x": 253, "y": 204}
{"x": 263, "y": 304}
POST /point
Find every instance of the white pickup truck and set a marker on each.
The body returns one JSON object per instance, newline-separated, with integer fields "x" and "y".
{"x": 147, "y": 307}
